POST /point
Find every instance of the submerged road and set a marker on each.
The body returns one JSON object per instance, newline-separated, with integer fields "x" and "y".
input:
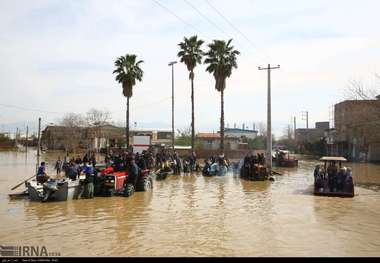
{"x": 192, "y": 215}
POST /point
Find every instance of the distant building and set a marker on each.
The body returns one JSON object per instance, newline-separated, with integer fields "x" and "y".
{"x": 211, "y": 141}
{"x": 240, "y": 133}
{"x": 96, "y": 138}
{"x": 357, "y": 129}
{"x": 311, "y": 135}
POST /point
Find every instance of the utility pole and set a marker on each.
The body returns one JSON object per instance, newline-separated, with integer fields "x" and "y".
{"x": 16, "y": 137}
{"x": 269, "y": 120}
{"x": 305, "y": 117}
{"x": 294, "y": 126}
{"x": 38, "y": 144}
{"x": 172, "y": 65}
{"x": 26, "y": 139}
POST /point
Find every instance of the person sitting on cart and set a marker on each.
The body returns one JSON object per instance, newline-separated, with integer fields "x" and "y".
{"x": 42, "y": 176}
{"x": 341, "y": 177}
{"x": 332, "y": 174}
{"x": 348, "y": 183}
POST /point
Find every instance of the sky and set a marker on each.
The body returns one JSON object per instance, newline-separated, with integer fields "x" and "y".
{"x": 58, "y": 57}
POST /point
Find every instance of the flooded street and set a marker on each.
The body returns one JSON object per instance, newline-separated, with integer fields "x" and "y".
{"x": 192, "y": 215}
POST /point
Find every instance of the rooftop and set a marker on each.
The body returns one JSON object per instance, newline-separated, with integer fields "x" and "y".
{"x": 211, "y": 136}
{"x": 238, "y": 130}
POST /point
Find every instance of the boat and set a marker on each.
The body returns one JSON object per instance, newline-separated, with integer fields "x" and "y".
{"x": 331, "y": 181}
{"x": 53, "y": 190}
{"x": 282, "y": 158}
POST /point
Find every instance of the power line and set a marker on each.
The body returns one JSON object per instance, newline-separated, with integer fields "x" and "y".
{"x": 206, "y": 18}
{"x": 234, "y": 27}
{"x": 214, "y": 24}
{"x": 178, "y": 17}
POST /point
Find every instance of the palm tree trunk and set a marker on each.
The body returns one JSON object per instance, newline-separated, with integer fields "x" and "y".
{"x": 127, "y": 124}
{"x": 222, "y": 121}
{"x": 192, "y": 113}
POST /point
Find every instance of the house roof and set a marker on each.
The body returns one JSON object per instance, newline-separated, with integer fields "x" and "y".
{"x": 212, "y": 136}
{"x": 237, "y": 130}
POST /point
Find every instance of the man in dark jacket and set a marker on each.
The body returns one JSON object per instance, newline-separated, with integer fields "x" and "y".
{"x": 89, "y": 182}
{"x": 133, "y": 171}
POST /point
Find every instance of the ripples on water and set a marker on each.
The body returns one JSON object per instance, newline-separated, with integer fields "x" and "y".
{"x": 192, "y": 215}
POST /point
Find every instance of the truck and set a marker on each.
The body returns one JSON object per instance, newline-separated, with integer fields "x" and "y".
{"x": 141, "y": 143}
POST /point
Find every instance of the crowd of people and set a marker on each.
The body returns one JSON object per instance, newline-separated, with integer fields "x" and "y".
{"x": 250, "y": 163}
{"x": 215, "y": 165}
{"x": 333, "y": 179}
{"x": 164, "y": 160}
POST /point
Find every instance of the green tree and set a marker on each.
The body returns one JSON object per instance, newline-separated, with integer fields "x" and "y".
{"x": 221, "y": 59}
{"x": 184, "y": 137}
{"x": 127, "y": 72}
{"x": 191, "y": 54}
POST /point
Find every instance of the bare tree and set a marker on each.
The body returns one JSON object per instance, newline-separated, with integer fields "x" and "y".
{"x": 97, "y": 117}
{"x": 288, "y": 133}
{"x": 72, "y": 125}
{"x": 357, "y": 90}
{"x": 262, "y": 128}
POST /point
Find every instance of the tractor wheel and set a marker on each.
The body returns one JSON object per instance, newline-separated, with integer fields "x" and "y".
{"x": 145, "y": 183}
{"x": 129, "y": 190}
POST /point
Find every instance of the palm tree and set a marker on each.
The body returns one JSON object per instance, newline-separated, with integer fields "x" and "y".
{"x": 128, "y": 71}
{"x": 191, "y": 54}
{"x": 221, "y": 59}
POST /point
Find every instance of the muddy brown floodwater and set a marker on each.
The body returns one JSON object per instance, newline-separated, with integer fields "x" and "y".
{"x": 192, "y": 215}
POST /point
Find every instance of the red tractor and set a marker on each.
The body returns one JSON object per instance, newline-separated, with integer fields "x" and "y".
{"x": 115, "y": 183}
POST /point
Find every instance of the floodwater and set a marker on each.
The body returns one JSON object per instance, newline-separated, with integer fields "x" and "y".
{"x": 192, "y": 215}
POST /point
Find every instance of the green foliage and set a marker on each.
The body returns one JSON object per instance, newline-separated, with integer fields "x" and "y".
{"x": 314, "y": 148}
{"x": 221, "y": 59}
{"x": 184, "y": 137}
{"x": 191, "y": 53}
{"x": 127, "y": 72}
{"x": 258, "y": 143}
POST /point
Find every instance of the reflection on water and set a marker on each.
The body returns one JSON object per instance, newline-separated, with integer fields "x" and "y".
{"x": 192, "y": 215}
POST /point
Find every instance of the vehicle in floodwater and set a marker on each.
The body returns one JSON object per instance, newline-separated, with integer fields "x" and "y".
{"x": 282, "y": 158}
{"x": 333, "y": 180}
{"x": 53, "y": 190}
{"x": 247, "y": 171}
{"x": 113, "y": 182}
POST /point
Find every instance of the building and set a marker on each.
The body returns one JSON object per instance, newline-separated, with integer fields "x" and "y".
{"x": 310, "y": 140}
{"x": 240, "y": 133}
{"x": 211, "y": 141}
{"x": 96, "y": 138}
{"x": 357, "y": 129}
{"x": 311, "y": 135}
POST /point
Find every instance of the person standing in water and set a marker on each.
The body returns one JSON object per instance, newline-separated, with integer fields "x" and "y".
{"x": 58, "y": 166}
{"x": 89, "y": 181}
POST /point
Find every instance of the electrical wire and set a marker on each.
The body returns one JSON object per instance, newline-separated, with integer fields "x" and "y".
{"x": 235, "y": 28}
{"x": 179, "y": 18}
